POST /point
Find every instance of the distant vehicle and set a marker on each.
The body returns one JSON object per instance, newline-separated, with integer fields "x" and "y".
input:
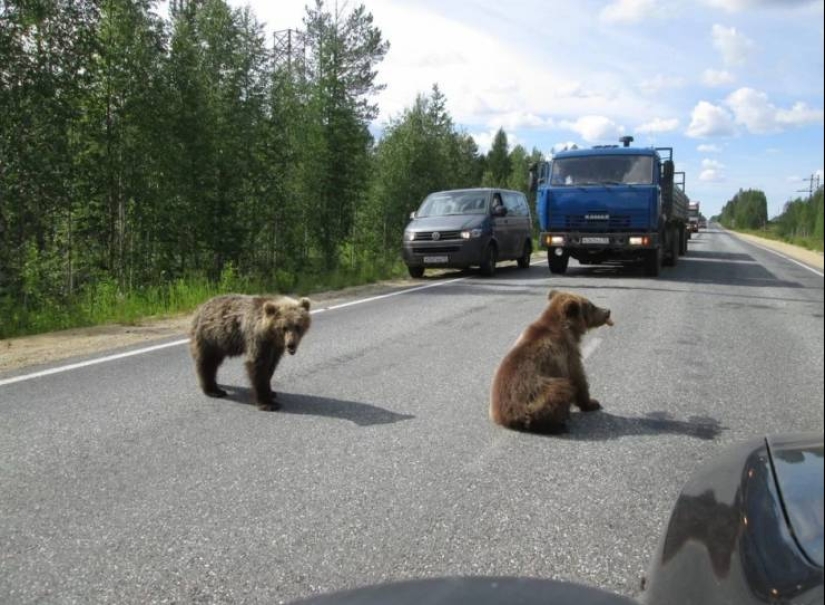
{"x": 694, "y": 217}
{"x": 703, "y": 223}
{"x": 611, "y": 203}
{"x": 747, "y": 529}
{"x": 469, "y": 227}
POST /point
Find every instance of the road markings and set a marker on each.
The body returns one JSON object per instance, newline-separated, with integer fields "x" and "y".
{"x": 91, "y": 362}
{"x": 779, "y": 254}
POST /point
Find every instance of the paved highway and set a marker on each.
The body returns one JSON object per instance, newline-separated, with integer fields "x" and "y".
{"x": 121, "y": 483}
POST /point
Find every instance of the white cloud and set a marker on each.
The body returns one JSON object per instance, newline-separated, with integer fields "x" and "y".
{"x": 594, "y": 129}
{"x": 708, "y": 148}
{"x": 733, "y": 46}
{"x": 717, "y": 77}
{"x": 628, "y": 11}
{"x": 659, "y": 125}
{"x": 799, "y": 115}
{"x": 708, "y": 120}
{"x": 661, "y": 82}
{"x": 519, "y": 119}
{"x": 753, "y": 109}
{"x": 733, "y": 6}
{"x": 712, "y": 171}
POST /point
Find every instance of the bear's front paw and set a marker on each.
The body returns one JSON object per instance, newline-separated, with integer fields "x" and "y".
{"x": 591, "y": 406}
{"x": 216, "y": 392}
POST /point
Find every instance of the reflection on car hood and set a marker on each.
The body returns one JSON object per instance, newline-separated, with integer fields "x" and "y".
{"x": 446, "y": 223}
{"x": 798, "y": 466}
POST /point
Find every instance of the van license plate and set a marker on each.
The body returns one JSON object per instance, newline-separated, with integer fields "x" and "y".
{"x": 595, "y": 240}
{"x": 436, "y": 259}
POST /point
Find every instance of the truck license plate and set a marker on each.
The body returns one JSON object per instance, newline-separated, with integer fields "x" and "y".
{"x": 436, "y": 259}
{"x": 595, "y": 240}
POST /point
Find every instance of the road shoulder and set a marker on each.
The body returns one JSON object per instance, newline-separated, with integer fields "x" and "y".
{"x": 809, "y": 257}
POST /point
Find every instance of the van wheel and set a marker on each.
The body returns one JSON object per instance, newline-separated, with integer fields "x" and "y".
{"x": 488, "y": 264}
{"x": 524, "y": 260}
{"x": 416, "y": 272}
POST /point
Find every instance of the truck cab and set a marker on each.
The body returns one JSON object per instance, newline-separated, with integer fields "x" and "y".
{"x": 611, "y": 203}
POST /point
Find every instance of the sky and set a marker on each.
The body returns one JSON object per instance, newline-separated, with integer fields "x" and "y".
{"x": 735, "y": 87}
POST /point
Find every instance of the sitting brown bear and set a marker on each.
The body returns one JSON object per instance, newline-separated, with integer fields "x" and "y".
{"x": 259, "y": 327}
{"x": 542, "y": 375}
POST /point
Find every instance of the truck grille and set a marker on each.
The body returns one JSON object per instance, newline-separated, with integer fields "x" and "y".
{"x": 580, "y": 222}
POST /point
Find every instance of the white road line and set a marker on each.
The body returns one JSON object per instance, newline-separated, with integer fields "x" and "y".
{"x": 779, "y": 254}
{"x": 91, "y": 362}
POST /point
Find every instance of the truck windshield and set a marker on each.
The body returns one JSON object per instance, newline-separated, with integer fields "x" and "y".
{"x": 603, "y": 170}
{"x": 453, "y": 202}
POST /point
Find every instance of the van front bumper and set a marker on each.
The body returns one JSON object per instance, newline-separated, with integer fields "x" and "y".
{"x": 452, "y": 254}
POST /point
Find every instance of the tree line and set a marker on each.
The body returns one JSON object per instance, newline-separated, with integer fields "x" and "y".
{"x": 141, "y": 153}
{"x": 801, "y": 220}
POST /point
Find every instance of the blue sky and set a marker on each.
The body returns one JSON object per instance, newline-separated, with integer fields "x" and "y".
{"x": 734, "y": 86}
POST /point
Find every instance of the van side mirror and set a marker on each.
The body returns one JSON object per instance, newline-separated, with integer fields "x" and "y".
{"x": 412, "y": 215}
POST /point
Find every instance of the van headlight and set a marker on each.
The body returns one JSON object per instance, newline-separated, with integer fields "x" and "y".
{"x": 470, "y": 233}
{"x": 409, "y": 236}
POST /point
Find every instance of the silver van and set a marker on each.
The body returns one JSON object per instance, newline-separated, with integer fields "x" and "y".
{"x": 469, "y": 228}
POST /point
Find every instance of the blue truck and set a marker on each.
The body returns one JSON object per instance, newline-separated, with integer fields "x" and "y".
{"x": 611, "y": 203}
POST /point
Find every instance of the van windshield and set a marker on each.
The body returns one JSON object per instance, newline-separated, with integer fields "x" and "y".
{"x": 606, "y": 169}
{"x": 445, "y": 203}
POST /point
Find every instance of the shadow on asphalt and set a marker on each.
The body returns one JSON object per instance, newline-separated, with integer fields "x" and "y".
{"x": 602, "y": 426}
{"x": 362, "y": 414}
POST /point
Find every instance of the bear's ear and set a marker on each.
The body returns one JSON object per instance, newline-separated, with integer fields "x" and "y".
{"x": 305, "y": 302}
{"x": 270, "y": 309}
{"x": 551, "y": 294}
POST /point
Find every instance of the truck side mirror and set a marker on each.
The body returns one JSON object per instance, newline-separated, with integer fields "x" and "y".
{"x": 532, "y": 181}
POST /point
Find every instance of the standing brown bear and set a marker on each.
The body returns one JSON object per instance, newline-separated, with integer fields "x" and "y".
{"x": 542, "y": 375}
{"x": 258, "y": 327}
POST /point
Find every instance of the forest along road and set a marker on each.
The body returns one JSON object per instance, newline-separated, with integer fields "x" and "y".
{"x": 122, "y": 483}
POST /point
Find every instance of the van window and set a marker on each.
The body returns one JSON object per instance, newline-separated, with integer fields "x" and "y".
{"x": 515, "y": 204}
{"x": 453, "y": 202}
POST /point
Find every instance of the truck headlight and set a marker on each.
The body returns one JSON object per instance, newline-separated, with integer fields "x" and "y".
{"x": 554, "y": 240}
{"x": 470, "y": 233}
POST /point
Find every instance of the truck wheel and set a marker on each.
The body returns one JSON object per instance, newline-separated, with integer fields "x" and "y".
{"x": 558, "y": 264}
{"x": 653, "y": 262}
{"x": 416, "y": 272}
{"x": 673, "y": 245}
{"x": 488, "y": 263}
{"x": 683, "y": 242}
{"x": 524, "y": 259}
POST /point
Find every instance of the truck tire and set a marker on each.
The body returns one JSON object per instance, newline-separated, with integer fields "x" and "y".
{"x": 683, "y": 238}
{"x": 653, "y": 263}
{"x": 416, "y": 272}
{"x": 673, "y": 244}
{"x": 557, "y": 264}
{"x": 488, "y": 263}
{"x": 524, "y": 259}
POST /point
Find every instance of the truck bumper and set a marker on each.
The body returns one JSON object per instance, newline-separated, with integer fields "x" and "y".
{"x": 574, "y": 241}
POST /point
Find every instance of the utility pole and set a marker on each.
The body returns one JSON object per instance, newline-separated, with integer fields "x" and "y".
{"x": 813, "y": 185}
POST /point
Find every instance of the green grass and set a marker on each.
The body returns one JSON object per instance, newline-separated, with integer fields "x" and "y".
{"x": 105, "y": 303}
{"x": 809, "y": 243}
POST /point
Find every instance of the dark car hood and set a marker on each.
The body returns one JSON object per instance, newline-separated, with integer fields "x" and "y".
{"x": 798, "y": 467}
{"x": 446, "y": 223}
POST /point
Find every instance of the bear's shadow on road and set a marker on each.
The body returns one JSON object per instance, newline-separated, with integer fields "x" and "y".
{"x": 361, "y": 414}
{"x": 602, "y": 426}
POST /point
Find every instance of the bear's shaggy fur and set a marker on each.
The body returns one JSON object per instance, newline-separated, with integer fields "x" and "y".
{"x": 542, "y": 375}
{"x": 258, "y": 327}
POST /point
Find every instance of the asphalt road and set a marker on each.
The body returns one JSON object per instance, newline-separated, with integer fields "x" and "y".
{"x": 121, "y": 483}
